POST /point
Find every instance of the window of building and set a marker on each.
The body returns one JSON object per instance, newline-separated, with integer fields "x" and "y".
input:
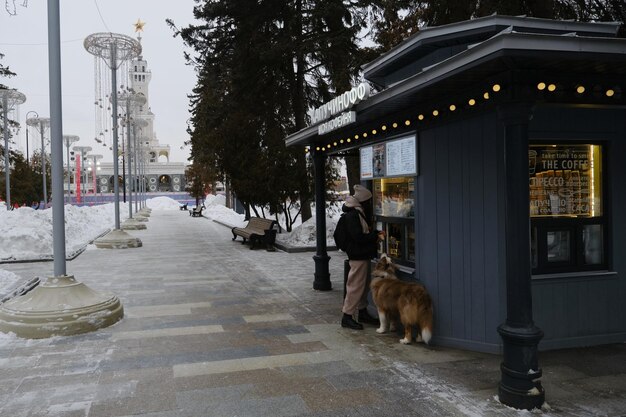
{"x": 394, "y": 211}
{"x": 568, "y": 221}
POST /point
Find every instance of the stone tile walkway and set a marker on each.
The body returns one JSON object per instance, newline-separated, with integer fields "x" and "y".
{"x": 212, "y": 328}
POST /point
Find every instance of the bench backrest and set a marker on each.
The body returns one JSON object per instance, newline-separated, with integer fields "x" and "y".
{"x": 260, "y": 223}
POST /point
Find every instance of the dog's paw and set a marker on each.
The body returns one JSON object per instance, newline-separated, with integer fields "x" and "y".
{"x": 380, "y": 330}
{"x": 405, "y": 341}
{"x": 419, "y": 339}
{"x": 392, "y": 327}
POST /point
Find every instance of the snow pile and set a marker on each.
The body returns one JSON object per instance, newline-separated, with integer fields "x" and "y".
{"x": 7, "y": 279}
{"x": 215, "y": 200}
{"x": 26, "y": 234}
{"x": 223, "y": 215}
{"x": 163, "y": 203}
{"x": 84, "y": 224}
{"x": 306, "y": 234}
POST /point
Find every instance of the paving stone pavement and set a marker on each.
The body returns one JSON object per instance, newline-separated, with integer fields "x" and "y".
{"x": 212, "y": 328}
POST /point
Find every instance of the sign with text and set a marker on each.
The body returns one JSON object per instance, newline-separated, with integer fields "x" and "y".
{"x": 401, "y": 157}
{"x": 389, "y": 159}
{"x": 565, "y": 180}
{"x": 366, "y": 163}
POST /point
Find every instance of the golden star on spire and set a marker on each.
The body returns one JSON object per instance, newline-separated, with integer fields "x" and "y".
{"x": 139, "y": 25}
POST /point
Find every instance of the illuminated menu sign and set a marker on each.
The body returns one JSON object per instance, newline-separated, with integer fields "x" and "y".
{"x": 565, "y": 180}
{"x": 389, "y": 159}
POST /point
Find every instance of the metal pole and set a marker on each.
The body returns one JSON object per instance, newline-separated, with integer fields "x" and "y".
{"x": 128, "y": 154}
{"x": 136, "y": 164}
{"x": 83, "y": 177}
{"x": 143, "y": 181}
{"x": 27, "y": 159}
{"x": 79, "y": 176}
{"x": 93, "y": 176}
{"x": 7, "y": 165}
{"x": 116, "y": 176}
{"x": 56, "y": 134}
{"x": 69, "y": 196}
{"x": 123, "y": 168}
{"x": 321, "y": 258}
{"x": 520, "y": 382}
{"x": 43, "y": 166}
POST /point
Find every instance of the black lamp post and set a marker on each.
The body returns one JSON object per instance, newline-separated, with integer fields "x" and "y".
{"x": 520, "y": 383}
{"x": 321, "y": 258}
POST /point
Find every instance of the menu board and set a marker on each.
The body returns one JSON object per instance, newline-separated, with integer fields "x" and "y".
{"x": 401, "y": 157}
{"x": 366, "y": 162}
{"x": 565, "y": 180}
{"x": 389, "y": 159}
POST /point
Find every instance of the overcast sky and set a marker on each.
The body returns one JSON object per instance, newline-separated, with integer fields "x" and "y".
{"x": 23, "y": 41}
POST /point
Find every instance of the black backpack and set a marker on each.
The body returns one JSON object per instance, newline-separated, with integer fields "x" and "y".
{"x": 341, "y": 234}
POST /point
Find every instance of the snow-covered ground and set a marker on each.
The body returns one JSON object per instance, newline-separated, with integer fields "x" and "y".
{"x": 26, "y": 234}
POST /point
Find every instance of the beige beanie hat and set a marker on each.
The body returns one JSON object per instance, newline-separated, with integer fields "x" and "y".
{"x": 352, "y": 202}
{"x": 361, "y": 193}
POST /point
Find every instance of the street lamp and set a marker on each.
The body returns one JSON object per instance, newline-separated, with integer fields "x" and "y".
{"x": 68, "y": 140}
{"x": 94, "y": 168}
{"x": 36, "y": 115}
{"x": 137, "y": 123}
{"x": 130, "y": 100}
{"x": 114, "y": 49}
{"x": 79, "y": 168}
{"x": 10, "y": 99}
{"x": 41, "y": 124}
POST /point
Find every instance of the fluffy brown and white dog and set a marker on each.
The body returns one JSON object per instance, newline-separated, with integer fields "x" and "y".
{"x": 396, "y": 300}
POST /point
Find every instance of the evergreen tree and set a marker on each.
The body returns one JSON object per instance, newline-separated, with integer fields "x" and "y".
{"x": 37, "y": 178}
{"x": 5, "y": 72}
{"x": 260, "y": 66}
{"x": 196, "y": 179}
{"x": 396, "y": 20}
{"x": 23, "y": 180}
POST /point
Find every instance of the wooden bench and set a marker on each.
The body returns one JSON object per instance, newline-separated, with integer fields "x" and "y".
{"x": 183, "y": 206}
{"x": 257, "y": 230}
{"x": 196, "y": 211}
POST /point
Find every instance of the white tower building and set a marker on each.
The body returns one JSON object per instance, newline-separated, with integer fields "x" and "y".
{"x": 161, "y": 175}
{"x": 140, "y": 76}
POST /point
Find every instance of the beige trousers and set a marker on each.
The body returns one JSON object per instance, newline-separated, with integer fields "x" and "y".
{"x": 356, "y": 287}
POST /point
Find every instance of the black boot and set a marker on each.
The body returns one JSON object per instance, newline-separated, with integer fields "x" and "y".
{"x": 364, "y": 317}
{"x": 348, "y": 321}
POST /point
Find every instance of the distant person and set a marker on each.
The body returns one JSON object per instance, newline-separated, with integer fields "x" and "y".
{"x": 361, "y": 247}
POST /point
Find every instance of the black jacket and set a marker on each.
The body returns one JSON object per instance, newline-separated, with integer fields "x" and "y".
{"x": 361, "y": 246}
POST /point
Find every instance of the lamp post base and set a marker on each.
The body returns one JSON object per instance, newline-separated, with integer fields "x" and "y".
{"x": 117, "y": 239}
{"x": 141, "y": 217}
{"x": 133, "y": 224}
{"x": 61, "y": 306}
{"x": 520, "y": 384}
{"x": 322, "y": 274}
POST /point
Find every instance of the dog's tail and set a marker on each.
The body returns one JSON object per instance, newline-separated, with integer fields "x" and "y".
{"x": 426, "y": 319}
